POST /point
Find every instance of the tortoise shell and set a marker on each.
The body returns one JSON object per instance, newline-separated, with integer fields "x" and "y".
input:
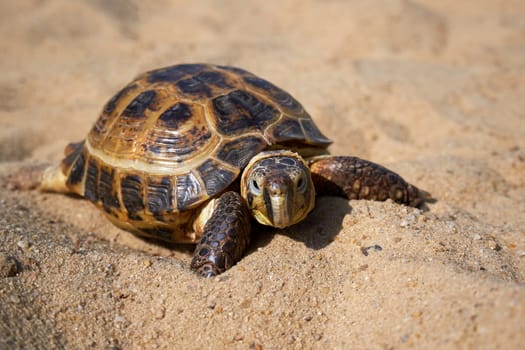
{"x": 175, "y": 137}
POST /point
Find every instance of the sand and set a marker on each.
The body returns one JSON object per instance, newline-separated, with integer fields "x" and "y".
{"x": 432, "y": 89}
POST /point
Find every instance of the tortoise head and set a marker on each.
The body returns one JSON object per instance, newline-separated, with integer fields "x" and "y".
{"x": 278, "y": 188}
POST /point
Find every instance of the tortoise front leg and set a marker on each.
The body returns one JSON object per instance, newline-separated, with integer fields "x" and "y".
{"x": 225, "y": 238}
{"x": 355, "y": 178}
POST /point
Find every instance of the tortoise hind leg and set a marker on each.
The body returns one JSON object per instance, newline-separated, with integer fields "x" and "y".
{"x": 43, "y": 176}
{"x": 355, "y": 178}
{"x": 52, "y": 178}
{"x": 225, "y": 238}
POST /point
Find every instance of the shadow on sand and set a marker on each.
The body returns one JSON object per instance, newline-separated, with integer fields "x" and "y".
{"x": 317, "y": 231}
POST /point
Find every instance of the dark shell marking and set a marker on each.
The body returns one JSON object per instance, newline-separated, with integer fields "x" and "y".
{"x": 189, "y": 191}
{"x": 74, "y": 163}
{"x": 240, "y": 111}
{"x": 160, "y": 196}
{"x": 177, "y": 136}
{"x": 106, "y": 191}
{"x": 132, "y": 191}
{"x": 137, "y": 107}
{"x": 215, "y": 177}
{"x": 173, "y": 73}
{"x": 175, "y": 116}
{"x": 91, "y": 181}
{"x": 203, "y": 84}
{"x": 280, "y": 96}
{"x": 239, "y": 151}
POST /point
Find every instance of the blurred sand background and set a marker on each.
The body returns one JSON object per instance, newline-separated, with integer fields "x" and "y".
{"x": 434, "y": 89}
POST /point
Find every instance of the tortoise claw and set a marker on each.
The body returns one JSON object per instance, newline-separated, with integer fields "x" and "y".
{"x": 209, "y": 275}
{"x": 208, "y": 271}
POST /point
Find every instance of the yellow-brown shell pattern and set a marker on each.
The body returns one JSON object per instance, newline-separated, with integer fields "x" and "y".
{"x": 176, "y": 136}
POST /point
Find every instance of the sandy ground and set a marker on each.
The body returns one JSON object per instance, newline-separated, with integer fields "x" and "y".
{"x": 434, "y": 89}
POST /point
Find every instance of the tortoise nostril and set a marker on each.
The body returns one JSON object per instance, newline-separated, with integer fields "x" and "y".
{"x": 276, "y": 189}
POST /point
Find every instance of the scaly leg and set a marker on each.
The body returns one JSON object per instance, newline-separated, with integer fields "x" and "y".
{"x": 44, "y": 177}
{"x": 226, "y": 236}
{"x": 355, "y": 178}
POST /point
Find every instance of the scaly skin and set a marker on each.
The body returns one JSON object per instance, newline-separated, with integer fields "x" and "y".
{"x": 27, "y": 178}
{"x": 226, "y": 236}
{"x": 356, "y": 178}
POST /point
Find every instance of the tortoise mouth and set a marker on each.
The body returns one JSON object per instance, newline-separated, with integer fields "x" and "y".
{"x": 278, "y": 197}
{"x": 261, "y": 218}
{"x": 276, "y": 213}
{"x": 281, "y": 216}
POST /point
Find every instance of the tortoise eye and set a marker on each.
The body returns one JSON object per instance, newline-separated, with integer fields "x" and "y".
{"x": 254, "y": 187}
{"x": 301, "y": 184}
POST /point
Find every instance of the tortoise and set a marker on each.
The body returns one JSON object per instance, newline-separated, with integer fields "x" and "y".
{"x": 199, "y": 153}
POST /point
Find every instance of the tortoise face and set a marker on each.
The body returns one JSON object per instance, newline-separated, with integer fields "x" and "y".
{"x": 278, "y": 188}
